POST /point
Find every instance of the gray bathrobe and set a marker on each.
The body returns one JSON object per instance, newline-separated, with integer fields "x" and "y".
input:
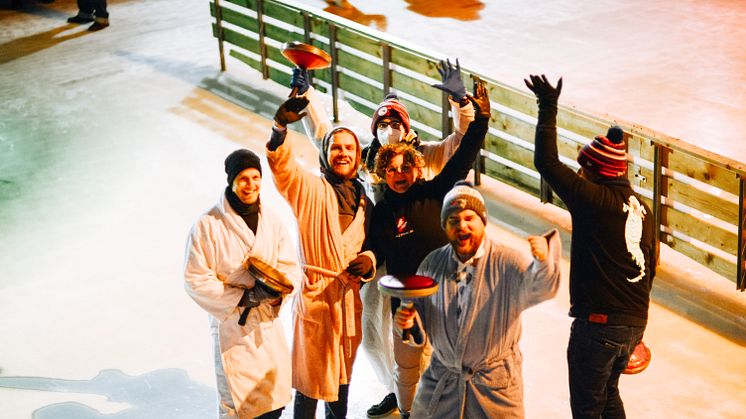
{"x": 475, "y": 371}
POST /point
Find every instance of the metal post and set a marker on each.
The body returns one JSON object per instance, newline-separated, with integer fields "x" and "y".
{"x": 741, "y": 271}
{"x": 660, "y": 189}
{"x": 386, "y": 55}
{"x": 262, "y": 45}
{"x": 219, "y": 26}
{"x": 545, "y": 192}
{"x": 335, "y": 76}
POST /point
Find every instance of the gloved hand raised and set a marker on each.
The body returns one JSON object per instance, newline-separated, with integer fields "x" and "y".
{"x": 299, "y": 81}
{"x": 452, "y": 83}
{"x": 360, "y": 266}
{"x": 289, "y": 111}
{"x": 543, "y": 90}
{"x": 481, "y": 99}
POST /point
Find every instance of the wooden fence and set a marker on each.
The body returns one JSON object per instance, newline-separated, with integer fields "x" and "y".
{"x": 697, "y": 197}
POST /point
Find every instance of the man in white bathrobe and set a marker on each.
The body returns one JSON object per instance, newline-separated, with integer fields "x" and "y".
{"x": 252, "y": 361}
{"x": 474, "y": 320}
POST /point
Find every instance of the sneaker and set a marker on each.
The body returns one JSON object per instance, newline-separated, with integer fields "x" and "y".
{"x": 100, "y": 23}
{"x": 80, "y": 18}
{"x": 385, "y": 408}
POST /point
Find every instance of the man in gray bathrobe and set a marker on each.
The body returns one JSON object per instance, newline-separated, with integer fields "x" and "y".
{"x": 474, "y": 320}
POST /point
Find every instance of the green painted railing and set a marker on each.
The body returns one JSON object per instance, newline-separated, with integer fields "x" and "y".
{"x": 697, "y": 196}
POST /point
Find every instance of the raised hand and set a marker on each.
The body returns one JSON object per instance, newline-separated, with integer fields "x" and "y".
{"x": 451, "y": 80}
{"x": 299, "y": 81}
{"x": 289, "y": 111}
{"x": 544, "y": 90}
{"x": 480, "y": 99}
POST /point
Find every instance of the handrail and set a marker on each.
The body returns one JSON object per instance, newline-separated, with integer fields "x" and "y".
{"x": 697, "y": 196}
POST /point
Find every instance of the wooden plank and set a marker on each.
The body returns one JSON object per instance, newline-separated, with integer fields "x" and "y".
{"x": 694, "y": 197}
{"x": 361, "y": 108}
{"x": 423, "y": 115}
{"x": 359, "y": 88}
{"x": 283, "y": 13}
{"x": 281, "y": 35}
{"x": 248, "y": 4}
{"x": 232, "y": 37}
{"x": 414, "y": 87}
{"x": 361, "y": 66}
{"x": 703, "y": 257}
{"x": 319, "y": 26}
{"x": 702, "y": 231}
{"x": 511, "y": 176}
{"x": 509, "y": 151}
{"x": 688, "y": 165}
{"x": 366, "y": 44}
{"x": 706, "y": 172}
{"x": 255, "y": 64}
{"x": 415, "y": 62}
{"x": 237, "y": 18}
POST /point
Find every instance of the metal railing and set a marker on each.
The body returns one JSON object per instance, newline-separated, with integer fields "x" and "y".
{"x": 697, "y": 196}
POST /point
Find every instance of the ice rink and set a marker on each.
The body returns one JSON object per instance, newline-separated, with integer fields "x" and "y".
{"x": 112, "y": 143}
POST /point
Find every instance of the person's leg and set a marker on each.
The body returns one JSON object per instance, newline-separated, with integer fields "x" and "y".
{"x": 85, "y": 12}
{"x": 378, "y": 346}
{"x": 614, "y": 408}
{"x": 304, "y": 407}
{"x": 99, "y": 8}
{"x": 590, "y": 358}
{"x": 275, "y": 414}
{"x": 338, "y": 409}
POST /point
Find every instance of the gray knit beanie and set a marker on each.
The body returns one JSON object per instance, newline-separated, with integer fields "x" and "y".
{"x": 463, "y": 196}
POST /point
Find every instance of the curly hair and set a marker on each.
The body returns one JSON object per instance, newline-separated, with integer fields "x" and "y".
{"x": 389, "y": 151}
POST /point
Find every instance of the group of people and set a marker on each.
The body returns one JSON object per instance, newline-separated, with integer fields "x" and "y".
{"x": 400, "y": 206}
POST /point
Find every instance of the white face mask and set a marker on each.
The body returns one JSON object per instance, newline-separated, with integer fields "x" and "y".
{"x": 389, "y": 135}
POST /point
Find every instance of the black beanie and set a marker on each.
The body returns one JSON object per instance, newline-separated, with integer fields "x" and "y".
{"x": 239, "y": 161}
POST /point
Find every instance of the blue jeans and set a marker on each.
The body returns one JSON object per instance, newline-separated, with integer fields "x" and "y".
{"x": 596, "y": 356}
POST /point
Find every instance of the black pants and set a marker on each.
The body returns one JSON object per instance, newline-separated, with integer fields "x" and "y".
{"x": 596, "y": 356}
{"x": 97, "y": 7}
{"x": 305, "y": 407}
{"x": 275, "y": 414}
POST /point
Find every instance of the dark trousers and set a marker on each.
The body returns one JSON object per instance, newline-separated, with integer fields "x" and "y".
{"x": 305, "y": 407}
{"x": 596, "y": 356}
{"x": 275, "y": 414}
{"x": 93, "y": 6}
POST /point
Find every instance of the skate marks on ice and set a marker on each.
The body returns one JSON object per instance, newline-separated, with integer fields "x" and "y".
{"x": 164, "y": 393}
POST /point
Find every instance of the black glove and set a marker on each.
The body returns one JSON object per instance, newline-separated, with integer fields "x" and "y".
{"x": 452, "y": 83}
{"x": 289, "y": 111}
{"x": 254, "y": 296}
{"x": 481, "y": 100}
{"x": 360, "y": 266}
{"x": 545, "y": 93}
{"x": 299, "y": 80}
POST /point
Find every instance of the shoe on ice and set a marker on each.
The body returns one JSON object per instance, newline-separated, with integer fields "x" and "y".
{"x": 385, "y": 408}
{"x": 80, "y": 18}
{"x": 100, "y": 23}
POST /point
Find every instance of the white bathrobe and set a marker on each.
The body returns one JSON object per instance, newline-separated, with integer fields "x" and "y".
{"x": 255, "y": 357}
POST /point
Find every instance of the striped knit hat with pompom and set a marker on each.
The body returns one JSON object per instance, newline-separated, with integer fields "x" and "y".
{"x": 605, "y": 156}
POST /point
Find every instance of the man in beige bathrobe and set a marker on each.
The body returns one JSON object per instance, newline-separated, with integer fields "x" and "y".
{"x": 333, "y": 214}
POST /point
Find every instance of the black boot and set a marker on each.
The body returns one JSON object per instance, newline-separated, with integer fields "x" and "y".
{"x": 385, "y": 408}
{"x": 81, "y": 18}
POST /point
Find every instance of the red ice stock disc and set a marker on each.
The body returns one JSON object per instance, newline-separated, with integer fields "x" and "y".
{"x": 414, "y": 286}
{"x": 306, "y": 56}
{"x": 638, "y": 360}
